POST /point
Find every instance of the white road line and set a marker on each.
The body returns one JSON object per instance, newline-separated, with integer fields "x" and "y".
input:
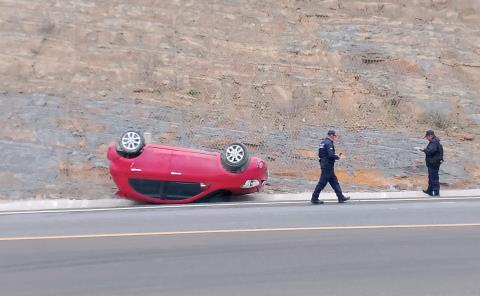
{"x": 232, "y": 204}
{"x": 247, "y": 230}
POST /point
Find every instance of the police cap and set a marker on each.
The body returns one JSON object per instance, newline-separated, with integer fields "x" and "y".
{"x": 429, "y": 133}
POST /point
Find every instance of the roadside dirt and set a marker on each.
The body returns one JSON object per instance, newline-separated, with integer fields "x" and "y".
{"x": 274, "y": 74}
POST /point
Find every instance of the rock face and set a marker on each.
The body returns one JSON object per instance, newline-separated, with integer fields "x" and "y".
{"x": 274, "y": 74}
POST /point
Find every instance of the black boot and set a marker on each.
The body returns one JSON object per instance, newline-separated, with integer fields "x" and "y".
{"x": 316, "y": 201}
{"x": 343, "y": 199}
{"x": 428, "y": 192}
{"x": 436, "y": 193}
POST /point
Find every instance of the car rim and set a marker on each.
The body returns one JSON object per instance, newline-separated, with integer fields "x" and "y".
{"x": 235, "y": 154}
{"x": 131, "y": 140}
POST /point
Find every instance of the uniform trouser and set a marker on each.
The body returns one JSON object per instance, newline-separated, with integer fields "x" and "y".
{"x": 327, "y": 176}
{"x": 433, "y": 179}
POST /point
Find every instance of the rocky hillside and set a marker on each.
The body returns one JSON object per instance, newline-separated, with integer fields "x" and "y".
{"x": 274, "y": 74}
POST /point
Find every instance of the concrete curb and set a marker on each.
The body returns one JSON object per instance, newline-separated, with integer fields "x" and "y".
{"x": 57, "y": 204}
{"x": 368, "y": 195}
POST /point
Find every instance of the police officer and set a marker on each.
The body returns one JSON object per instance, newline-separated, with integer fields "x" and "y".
{"x": 433, "y": 158}
{"x": 326, "y": 153}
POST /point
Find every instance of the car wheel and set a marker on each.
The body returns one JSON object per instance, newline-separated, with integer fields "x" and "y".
{"x": 235, "y": 157}
{"x": 131, "y": 143}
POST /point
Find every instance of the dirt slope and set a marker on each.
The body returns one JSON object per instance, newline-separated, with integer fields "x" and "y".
{"x": 274, "y": 74}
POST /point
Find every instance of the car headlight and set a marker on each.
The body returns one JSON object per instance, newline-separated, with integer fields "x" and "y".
{"x": 250, "y": 184}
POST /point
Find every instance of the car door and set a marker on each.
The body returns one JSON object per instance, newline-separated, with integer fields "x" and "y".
{"x": 191, "y": 166}
{"x": 153, "y": 164}
{"x": 149, "y": 172}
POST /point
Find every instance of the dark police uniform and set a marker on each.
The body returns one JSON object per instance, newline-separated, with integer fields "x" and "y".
{"x": 433, "y": 159}
{"x": 326, "y": 153}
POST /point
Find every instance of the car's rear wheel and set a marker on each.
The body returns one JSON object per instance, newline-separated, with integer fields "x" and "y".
{"x": 235, "y": 157}
{"x": 131, "y": 143}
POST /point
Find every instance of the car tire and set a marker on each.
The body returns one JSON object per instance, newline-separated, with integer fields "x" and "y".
{"x": 130, "y": 144}
{"x": 235, "y": 157}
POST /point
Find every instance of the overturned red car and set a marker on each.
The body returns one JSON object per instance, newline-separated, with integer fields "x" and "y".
{"x": 165, "y": 174}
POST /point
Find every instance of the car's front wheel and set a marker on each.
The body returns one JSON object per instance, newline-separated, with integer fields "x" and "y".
{"x": 235, "y": 157}
{"x": 130, "y": 144}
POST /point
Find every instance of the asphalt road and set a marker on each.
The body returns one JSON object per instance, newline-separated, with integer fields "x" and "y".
{"x": 400, "y": 248}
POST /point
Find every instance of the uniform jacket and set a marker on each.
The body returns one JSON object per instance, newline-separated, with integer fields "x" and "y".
{"x": 434, "y": 153}
{"x": 326, "y": 153}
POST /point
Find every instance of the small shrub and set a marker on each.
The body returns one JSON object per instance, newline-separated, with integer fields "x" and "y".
{"x": 439, "y": 120}
{"x": 393, "y": 102}
{"x": 193, "y": 92}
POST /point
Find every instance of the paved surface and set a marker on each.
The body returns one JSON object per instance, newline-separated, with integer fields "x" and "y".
{"x": 374, "y": 248}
